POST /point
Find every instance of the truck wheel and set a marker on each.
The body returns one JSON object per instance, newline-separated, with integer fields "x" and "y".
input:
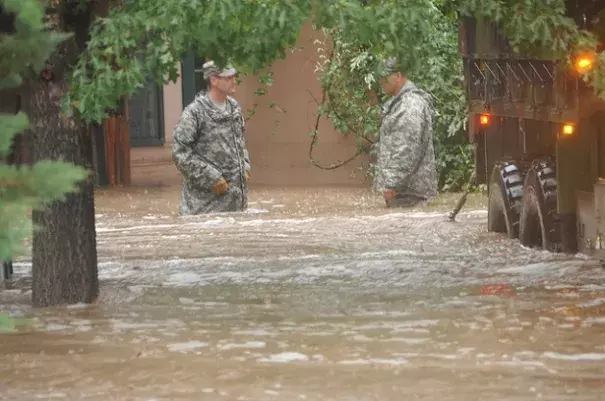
{"x": 7, "y": 270}
{"x": 505, "y": 196}
{"x": 539, "y": 224}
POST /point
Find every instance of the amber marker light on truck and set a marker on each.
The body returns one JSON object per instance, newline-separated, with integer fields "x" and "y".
{"x": 583, "y": 64}
{"x": 484, "y": 119}
{"x": 568, "y": 129}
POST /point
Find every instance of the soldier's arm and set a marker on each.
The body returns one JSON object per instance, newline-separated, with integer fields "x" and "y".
{"x": 247, "y": 160}
{"x": 192, "y": 165}
{"x": 408, "y": 143}
{"x": 246, "y": 154}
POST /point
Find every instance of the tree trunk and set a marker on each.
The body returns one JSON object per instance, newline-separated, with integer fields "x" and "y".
{"x": 64, "y": 241}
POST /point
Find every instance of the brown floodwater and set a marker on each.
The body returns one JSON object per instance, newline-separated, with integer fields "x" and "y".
{"x": 311, "y": 295}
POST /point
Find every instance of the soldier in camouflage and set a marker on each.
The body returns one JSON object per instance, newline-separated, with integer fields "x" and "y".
{"x": 406, "y": 173}
{"x": 209, "y": 148}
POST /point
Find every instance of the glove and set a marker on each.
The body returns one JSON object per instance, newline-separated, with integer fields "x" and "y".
{"x": 389, "y": 194}
{"x": 247, "y": 175}
{"x": 221, "y": 186}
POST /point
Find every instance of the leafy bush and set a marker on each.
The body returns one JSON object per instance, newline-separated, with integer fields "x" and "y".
{"x": 348, "y": 64}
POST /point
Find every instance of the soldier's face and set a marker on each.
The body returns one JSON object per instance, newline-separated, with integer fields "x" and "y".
{"x": 226, "y": 85}
{"x": 391, "y": 83}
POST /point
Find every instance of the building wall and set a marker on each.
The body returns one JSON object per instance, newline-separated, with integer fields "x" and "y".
{"x": 173, "y": 105}
{"x": 152, "y": 166}
{"x": 279, "y": 153}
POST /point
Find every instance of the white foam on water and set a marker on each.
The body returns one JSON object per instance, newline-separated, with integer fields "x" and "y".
{"x": 51, "y": 395}
{"x": 56, "y": 327}
{"x": 187, "y": 346}
{"x": 375, "y": 361}
{"x": 300, "y": 257}
{"x": 443, "y": 356}
{"x": 427, "y": 215}
{"x": 589, "y": 321}
{"x": 256, "y": 211}
{"x": 185, "y": 278}
{"x": 285, "y": 357}
{"x": 516, "y": 363}
{"x": 186, "y": 301}
{"x": 226, "y": 219}
{"x": 130, "y": 326}
{"x": 405, "y": 340}
{"x": 548, "y": 267}
{"x": 422, "y": 323}
{"x": 593, "y": 303}
{"x": 246, "y": 345}
{"x": 575, "y": 357}
{"x": 255, "y": 333}
{"x": 262, "y": 222}
{"x": 134, "y": 228}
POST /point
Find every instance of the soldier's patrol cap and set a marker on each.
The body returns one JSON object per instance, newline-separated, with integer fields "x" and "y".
{"x": 390, "y": 66}
{"x": 210, "y": 69}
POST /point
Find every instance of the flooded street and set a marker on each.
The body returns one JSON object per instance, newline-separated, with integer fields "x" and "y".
{"x": 312, "y": 295}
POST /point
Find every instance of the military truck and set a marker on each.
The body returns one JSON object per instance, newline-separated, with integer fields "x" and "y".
{"x": 539, "y": 136}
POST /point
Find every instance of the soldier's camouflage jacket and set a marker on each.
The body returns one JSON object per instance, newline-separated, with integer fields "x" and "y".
{"x": 406, "y": 156}
{"x": 209, "y": 144}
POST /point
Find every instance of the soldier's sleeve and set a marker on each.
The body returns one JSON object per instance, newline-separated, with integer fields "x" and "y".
{"x": 192, "y": 165}
{"x": 246, "y": 154}
{"x": 407, "y": 143}
{"x": 247, "y": 160}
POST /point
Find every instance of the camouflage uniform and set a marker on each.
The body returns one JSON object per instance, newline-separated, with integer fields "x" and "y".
{"x": 209, "y": 144}
{"x": 406, "y": 157}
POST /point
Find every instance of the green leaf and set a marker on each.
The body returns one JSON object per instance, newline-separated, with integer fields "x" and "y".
{"x": 10, "y": 125}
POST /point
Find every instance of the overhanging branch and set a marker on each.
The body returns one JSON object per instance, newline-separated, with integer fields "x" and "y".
{"x": 320, "y": 104}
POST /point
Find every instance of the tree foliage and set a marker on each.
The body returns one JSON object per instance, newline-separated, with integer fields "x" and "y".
{"x": 349, "y": 66}
{"x": 24, "y": 46}
{"x": 142, "y": 38}
{"x": 148, "y": 37}
{"x": 423, "y": 36}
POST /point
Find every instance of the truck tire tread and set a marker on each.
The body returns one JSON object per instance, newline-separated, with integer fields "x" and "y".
{"x": 539, "y": 225}
{"x": 505, "y": 198}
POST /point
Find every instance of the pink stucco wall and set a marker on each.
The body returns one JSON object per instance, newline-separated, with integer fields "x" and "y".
{"x": 279, "y": 153}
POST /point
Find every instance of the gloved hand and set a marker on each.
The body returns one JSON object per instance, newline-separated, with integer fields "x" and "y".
{"x": 221, "y": 186}
{"x": 247, "y": 175}
{"x": 389, "y": 194}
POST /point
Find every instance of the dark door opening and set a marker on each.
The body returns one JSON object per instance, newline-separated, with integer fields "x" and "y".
{"x": 146, "y": 116}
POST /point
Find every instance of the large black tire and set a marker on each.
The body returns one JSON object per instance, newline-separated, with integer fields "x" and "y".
{"x": 539, "y": 225}
{"x": 7, "y": 269}
{"x": 505, "y": 197}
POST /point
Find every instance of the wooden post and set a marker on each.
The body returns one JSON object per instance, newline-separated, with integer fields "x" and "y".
{"x": 125, "y": 174}
{"x": 117, "y": 147}
{"x": 110, "y": 159}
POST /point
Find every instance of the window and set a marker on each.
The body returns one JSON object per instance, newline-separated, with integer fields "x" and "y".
{"x": 200, "y": 82}
{"x": 192, "y": 77}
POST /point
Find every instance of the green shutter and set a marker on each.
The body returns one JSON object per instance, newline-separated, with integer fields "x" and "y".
{"x": 192, "y": 80}
{"x": 188, "y": 79}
